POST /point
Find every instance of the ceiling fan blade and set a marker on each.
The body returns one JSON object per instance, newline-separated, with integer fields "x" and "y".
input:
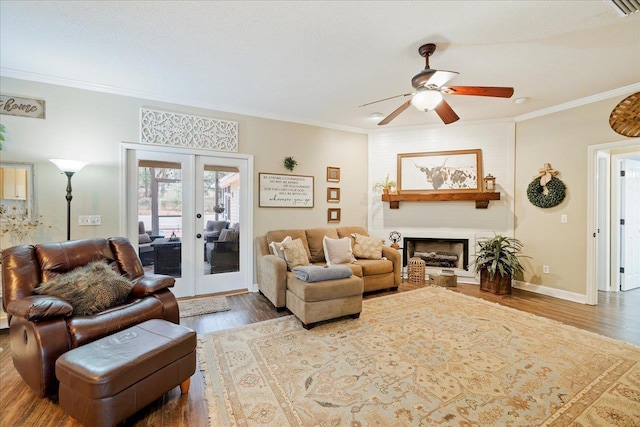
{"x": 385, "y": 99}
{"x": 441, "y": 77}
{"x": 446, "y": 113}
{"x": 498, "y": 92}
{"x": 396, "y": 113}
{"x": 430, "y": 77}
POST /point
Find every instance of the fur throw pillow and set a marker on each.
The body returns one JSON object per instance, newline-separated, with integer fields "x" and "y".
{"x": 90, "y": 289}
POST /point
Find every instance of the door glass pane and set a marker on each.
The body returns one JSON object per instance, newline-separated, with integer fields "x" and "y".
{"x": 221, "y": 219}
{"x": 160, "y": 216}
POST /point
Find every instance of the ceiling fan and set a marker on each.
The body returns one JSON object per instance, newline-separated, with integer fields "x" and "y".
{"x": 429, "y": 88}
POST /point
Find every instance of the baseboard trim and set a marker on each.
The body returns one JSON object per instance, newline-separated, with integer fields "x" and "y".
{"x": 552, "y": 292}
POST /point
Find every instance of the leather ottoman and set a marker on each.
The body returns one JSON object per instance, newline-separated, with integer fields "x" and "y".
{"x": 104, "y": 382}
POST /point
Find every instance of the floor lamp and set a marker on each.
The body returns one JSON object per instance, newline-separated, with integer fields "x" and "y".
{"x": 69, "y": 167}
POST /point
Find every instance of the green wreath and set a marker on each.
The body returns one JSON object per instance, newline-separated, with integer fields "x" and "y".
{"x": 557, "y": 191}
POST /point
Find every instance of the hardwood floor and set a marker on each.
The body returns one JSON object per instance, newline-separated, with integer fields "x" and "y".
{"x": 615, "y": 316}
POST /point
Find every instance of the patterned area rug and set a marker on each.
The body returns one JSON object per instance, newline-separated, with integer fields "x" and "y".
{"x": 424, "y": 357}
{"x": 197, "y": 306}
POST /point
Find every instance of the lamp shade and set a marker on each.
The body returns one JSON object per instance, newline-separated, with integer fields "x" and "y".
{"x": 426, "y": 99}
{"x": 68, "y": 165}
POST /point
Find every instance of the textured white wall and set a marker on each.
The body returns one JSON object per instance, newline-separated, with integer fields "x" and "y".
{"x": 459, "y": 219}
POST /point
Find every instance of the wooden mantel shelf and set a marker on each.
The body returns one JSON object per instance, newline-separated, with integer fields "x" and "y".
{"x": 481, "y": 199}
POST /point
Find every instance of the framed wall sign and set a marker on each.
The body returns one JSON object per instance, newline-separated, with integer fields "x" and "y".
{"x": 333, "y": 194}
{"x": 440, "y": 172}
{"x": 333, "y": 215}
{"x": 22, "y": 107}
{"x": 285, "y": 191}
{"x": 333, "y": 174}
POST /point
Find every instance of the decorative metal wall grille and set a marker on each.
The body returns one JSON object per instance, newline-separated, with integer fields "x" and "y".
{"x": 181, "y": 130}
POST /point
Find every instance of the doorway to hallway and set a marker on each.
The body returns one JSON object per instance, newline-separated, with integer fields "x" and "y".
{"x": 613, "y": 260}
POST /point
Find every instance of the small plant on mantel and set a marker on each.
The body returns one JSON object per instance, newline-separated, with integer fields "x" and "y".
{"x": 384, "y": 184}
{"x": 498, "y": 261}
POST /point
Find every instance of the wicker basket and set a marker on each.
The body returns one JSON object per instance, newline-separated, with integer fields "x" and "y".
{"x": 415, "y": 271}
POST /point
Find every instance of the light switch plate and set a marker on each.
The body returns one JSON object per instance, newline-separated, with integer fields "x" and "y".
{"x": 89, "y": 220}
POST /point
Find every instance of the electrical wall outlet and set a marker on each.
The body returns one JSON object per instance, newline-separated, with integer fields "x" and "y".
{"x": 89, "y": 220}
{"x": 545, "y": 269}
{"x": 564, "y": 219}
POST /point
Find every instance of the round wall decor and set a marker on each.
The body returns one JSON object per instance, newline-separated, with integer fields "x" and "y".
{"x": 625, "y": 117}
{"x": 546, "y": 191}
{"x": 555, "y": 195}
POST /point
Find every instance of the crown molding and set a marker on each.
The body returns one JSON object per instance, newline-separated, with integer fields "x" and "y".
{"x": 457, "y": 124}
{"x": 635, "y": 87}
{"x": 150, "y": 96}
{"x": 41, "y": 78}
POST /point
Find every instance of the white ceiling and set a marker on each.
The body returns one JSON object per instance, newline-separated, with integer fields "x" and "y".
{"x": 315, "y": 62}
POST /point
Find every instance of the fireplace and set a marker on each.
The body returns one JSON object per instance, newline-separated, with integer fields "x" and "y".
{"x": 437, "y": 252}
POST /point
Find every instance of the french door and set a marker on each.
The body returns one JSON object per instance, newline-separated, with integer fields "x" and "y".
{"x": 190, "y": 215}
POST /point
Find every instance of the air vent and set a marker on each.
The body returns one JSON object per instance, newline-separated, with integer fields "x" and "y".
{"x": 625, "y": 7}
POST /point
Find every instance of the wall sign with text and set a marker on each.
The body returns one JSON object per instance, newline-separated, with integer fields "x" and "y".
{"x": 285, "y": 191}
{"x": 23, "y": 107}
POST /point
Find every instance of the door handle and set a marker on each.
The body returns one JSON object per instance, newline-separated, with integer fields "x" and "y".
{"x": 199, "y": 236}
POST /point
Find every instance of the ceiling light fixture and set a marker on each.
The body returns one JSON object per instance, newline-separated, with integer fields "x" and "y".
{"x": 520, "y": 100}
{"x": 376, "y": 116}
{"x": 426, "y": 99}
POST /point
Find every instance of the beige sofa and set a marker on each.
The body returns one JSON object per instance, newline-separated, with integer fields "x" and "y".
{"x": 274, "y": 280}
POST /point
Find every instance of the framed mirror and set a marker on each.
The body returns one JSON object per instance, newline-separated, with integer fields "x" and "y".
{"x": 17, "y": 189}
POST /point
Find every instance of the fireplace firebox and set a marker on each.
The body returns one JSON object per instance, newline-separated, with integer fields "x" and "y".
{"x": 437, "y": 252}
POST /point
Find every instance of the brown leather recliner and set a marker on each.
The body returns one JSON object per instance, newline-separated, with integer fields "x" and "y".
{"x": 43, "y": 327}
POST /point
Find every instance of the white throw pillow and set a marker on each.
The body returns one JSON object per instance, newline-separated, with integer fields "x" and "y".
{"x": 337, "y": 251}
{"x": 276, "y": 247}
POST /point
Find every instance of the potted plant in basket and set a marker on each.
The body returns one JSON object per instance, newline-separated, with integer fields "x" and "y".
{"x": 384, "y": 184}
{"x": 498, "y": 261}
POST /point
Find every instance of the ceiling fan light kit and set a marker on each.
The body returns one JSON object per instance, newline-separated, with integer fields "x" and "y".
{"x": 426, "y": 99}
{"x": 429, "y": 87}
